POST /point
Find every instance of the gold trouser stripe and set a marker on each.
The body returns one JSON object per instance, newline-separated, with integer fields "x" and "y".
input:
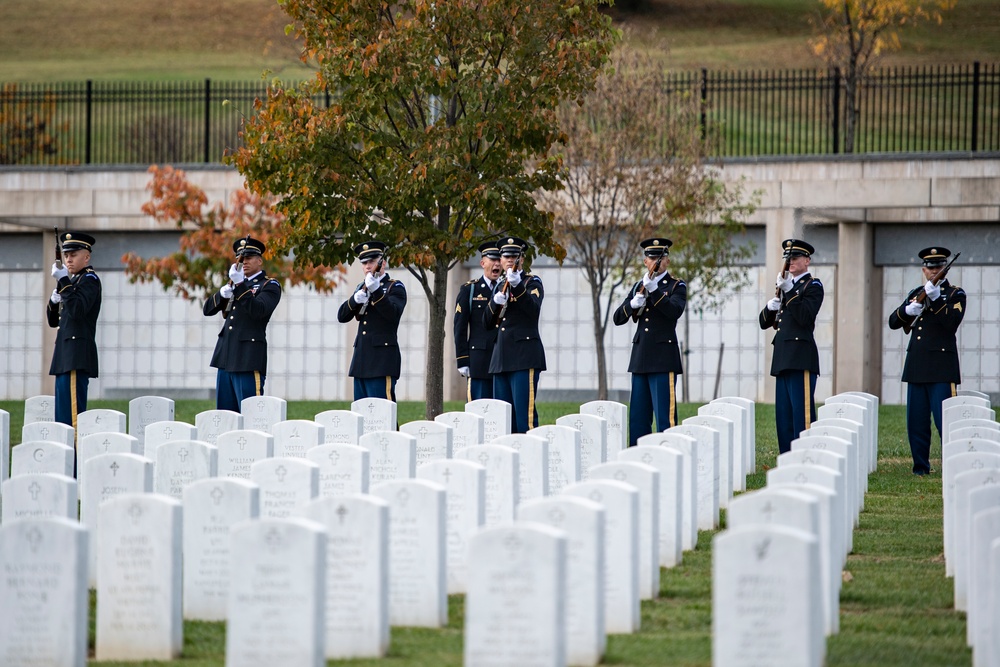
{"x": 388, "y": 388}
{"x": 468, "y": 389}
{"x": 531, "y": 398}
{"x": 954, "y": 390}
{"x": 673, "y": 402}
{"x": 256, "y": 380}
{"x": 72, "y": 399}
{"x": 806, "y": 396}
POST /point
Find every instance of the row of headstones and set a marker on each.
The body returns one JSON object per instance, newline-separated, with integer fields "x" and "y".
{"x": 646, "y": 565}
{"x": 776, "y": 569}
{"x": 970, "y": 486}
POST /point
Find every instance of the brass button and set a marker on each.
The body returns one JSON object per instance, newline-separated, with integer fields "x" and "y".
{"x": 918, "y": 337}
{"x": 230, "y": 328}
{"x": 364, "y": 333}
{"x": 645, "y": 329}
{"x": 503, "y": 328}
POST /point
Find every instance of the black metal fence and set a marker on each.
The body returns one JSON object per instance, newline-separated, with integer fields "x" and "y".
{"x": 785, "y": 112}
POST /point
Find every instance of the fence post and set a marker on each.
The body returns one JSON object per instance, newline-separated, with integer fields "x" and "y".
{"x": 704, "y": 103}
{"x": 975, "y": 106}
{"x": 88, "y": 114}
{"x": 835, "y": 109}
{"x": 208, "y": 116}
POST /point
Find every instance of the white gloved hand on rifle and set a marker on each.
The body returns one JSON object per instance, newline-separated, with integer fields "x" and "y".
{"x": 59, "y": 271}
{"x": 914, "y": 308}
{"x": 56, "y": 297}
{"x": 360, "y": 297}
{"x": 933, "y": 291}
{"x": 648, "y": 283}
{"x": 513, "y": 277}
{"x": 500, "y": 298}
{"x": 372, "y": 282}
{"x": 464, "y": 371}
{"x": 236, "y": 274}
{"x": 226, "y": 292}
{"x": 638, "y": 301}
{"x": 783, "y": 282}
{"x": 774, "y": 304}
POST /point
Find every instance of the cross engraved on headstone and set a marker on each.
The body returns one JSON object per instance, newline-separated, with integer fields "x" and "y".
{"x": 989, "y": 480}
{"x": 578, "y": 424}
{"x": 557, "y": 516}
{"x": 334, "y": 457}
{"x": 484, "y": 458}
{"x": 106, "y": 443}
{"x": 182, "y": 454}
{"x": 807, "y": 459}
{"x": 600, "y": 411}
{"x": 167, "y": 431}
{"x": 975, "y": 434}
{"x": 596, "y": 496}
{"x": 217, "y": 419}
{"x": 336, "y": 422}
{"x": 148, "y": 405}
{"x": 280, "y": 473}
{"x": 620, "y": 475}
{"x": 801, "y": 478}
{"x": 114, "y": 468}
{"x": 761, "y": 548}
{"x": 977, "y": 464}
{"x": 840, "y": 412}
{"x": 341, "y": 513}
{"x": 217, "y": 495}
{"x": 242, "y": 442}
{"x": 972, "y": 447}
{"x": 135, "y": 513}
{"x": 456, "y": 422}
{"x": 33, "y": 490}
{"x": 513, "y": 545}
{"x": 371, "y": 409}
{"x": 966, "y": 414}
{"x": 551, "y": 437}
{"x": 384, "y": 444}
{"x": 647, "y": 458}
{"x": 273, "y": 539}
{"x": 447, "y": 475}
{"x": 260, "y": 405}
{"x": 45, "y": 404}
{"x": 767, "y": 510}
{"x": 422, "y": 432}
{"x": 403, "y": 497}
{"x": 34, "y": 538}
{"x": 45, "y": 433}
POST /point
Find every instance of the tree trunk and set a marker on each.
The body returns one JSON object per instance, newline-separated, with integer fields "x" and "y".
{"x": 602, "y": 362}
{"x": 434, "y": 371}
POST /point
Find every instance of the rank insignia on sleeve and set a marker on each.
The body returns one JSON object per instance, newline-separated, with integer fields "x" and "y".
{"x": 458, "y": 308}
{"x": 536, "y": 292}
{"x": 958, "y": 307}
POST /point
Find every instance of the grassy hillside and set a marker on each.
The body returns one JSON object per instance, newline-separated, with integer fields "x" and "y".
{"x": 53, "y": 40}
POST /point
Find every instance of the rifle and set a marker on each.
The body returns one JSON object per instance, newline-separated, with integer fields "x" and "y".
{"x": 59, "y": 259}
{"x": 777, "y": 290}
{"x": 506, "y": 288}
{"x": 378, "y": 267}
{"x": 938, "y": 277}
{"x": 642, "y": 288}
{"x": 239, "y": 264}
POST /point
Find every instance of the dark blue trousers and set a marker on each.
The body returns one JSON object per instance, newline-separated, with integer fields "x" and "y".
{"x": 653, "y": 395}
{"x": 519, "y": 389}
{"x": 794, "y": 406}
{"x": 380, "y": 387}
{"x": 478, "y": 389}
{"x": 923, "y": 400}
{"x": 71, "y": 396}
{"x": 232, "y": 388}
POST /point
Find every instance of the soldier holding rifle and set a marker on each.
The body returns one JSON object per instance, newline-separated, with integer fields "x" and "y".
{"x": 795, "y": 359}
{"x": 246, "y": 302}
{"x": 655, "y": 304}
{"x": 377, "y": 305}
{"x": 518, "y": 356}
{"x": 930, "y": 314}
{"x": 74, "y": 307}
{"x": 473, "y": 340}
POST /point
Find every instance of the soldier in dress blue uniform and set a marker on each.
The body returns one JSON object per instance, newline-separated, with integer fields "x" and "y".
{"x": 655, "y": 303}
{"x": 74, "y": 307}
{"x": 795, "y": 359}
{"x": 473, "y": 340}
{"x": 518, "y": 356}
{"x": 931, "y": 370}
{"x": 377, "y": 305}
{"x": 246, "y": 302}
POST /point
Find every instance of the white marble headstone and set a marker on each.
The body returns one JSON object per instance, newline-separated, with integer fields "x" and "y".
{"x": 495, "y": 414}
{"x": 467, "y": 428}
{"x": 260, "y": 413}
{"x": 379, "y": 414}
{"x": 343, "y": 469}
{"x": 139, "y": 578}
{"x": 669, "y": 463}
{"x": 392, "y": 456}
{"x": 238, "y": 450}
{"x": 514, "y": 610}
{"x": 39, "y": 409}
{"x": 286, "y": 483}
{"x": 841, "y": 447}
{"x": 958, "y": 464}
{"x": 464, "y": 483}
{"x": 277, "y": 603}
{"x": 751, "y": 441}
{"x": 502, "y": 466}
{"x": 341, "y": 426}
{"x": 564, "y": 455}
{"x": 94, "y": 444}
{"x": 687, "y": 447}
{"x": 869, "y": 418}
{"x": 737, "y": 414}
{"x": 616, "y": 416}
{"x": 44, "y": 615}
{"x": 213, "y": 423}
{"x": 727, "y": 452}
{"x": 181, "y": 462}
{"x": 39, "y": 495}
{"x": 160, "y": 432}
{"x": 417, "y": 561}
{"x": 99, "y": 421}
{"x": 974, "y": 490}
{"x": 294, "y": 437}
{"x": 533, "y": 464}
{"x": 41, "y": 456}
{"x": 146, "y": 410}
{"x": 357, "y": 573}
{"x": 211, "y": 508}
{"x": 849, "y": 430}
{"x": 4, "y": 445}
{"x": 433, "y": 439}
{"x": 985, "y": 529}
{"x": 48, "y": 431}
{"x": 707, "y": 469}
{"x": 593, "y": 440}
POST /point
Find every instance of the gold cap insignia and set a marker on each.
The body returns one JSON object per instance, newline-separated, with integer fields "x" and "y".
{"x": 243, "y": 241}
{"x": 510, "y": 240}
{"x": 69, "y": 237}
{"x": 364, "y": 247}
{"x": 656, "y": 241}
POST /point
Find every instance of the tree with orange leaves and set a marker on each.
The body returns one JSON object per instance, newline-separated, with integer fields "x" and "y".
{"x": 205, "y": 253}
{"x": 853, "y": 34}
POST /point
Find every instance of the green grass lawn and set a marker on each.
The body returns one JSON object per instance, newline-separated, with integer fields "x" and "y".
{"x": 896, "y": 604}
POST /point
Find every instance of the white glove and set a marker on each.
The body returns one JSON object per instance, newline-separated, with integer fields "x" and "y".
{"x": 372, "y": 282}
{"x": 56, "y": 297}
{"x": 226, "y": 292}
{"x": 464, "y": 371}
{"x": 513, "y": 277}
{"x": 59, "y": 271}
{"x": 933, "y": 291}
{"x": 784, "y": 283}
{"x": 914, "y": 308}
{"x": 236, "y": 274}
{"x": 648, "y": 283}
{"x": 774, "y": 304}
{"x": 638, "y": 301}
{"x": 360, "y": 297}
{"x": 500, "y": 298}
